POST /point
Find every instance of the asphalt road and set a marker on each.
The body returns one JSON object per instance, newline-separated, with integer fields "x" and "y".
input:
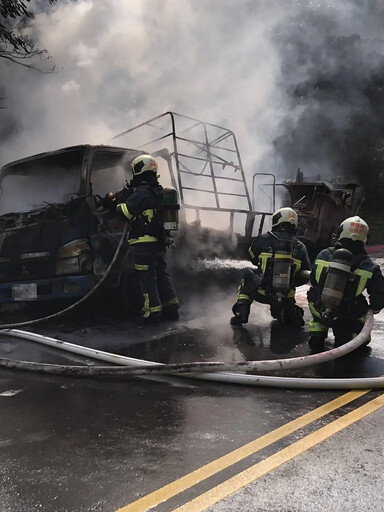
{"x": 171, "y": 443}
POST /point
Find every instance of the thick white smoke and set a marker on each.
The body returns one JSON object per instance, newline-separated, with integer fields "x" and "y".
{"x": 258, "y": 67}
{"x": 125, "y": 62}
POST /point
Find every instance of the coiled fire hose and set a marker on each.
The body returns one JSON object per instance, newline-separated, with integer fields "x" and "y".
{"x": 213, "y": 371}
{"x": 82, "y": 299}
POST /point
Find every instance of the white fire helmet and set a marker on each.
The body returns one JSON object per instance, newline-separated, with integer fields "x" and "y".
{"x": 354, "y": 228}
{"x": 284, "y": 215}
{"x": 142, "y": 164}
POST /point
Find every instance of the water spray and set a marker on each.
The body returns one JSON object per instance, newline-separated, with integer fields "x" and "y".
{"x": 217, "y": 264}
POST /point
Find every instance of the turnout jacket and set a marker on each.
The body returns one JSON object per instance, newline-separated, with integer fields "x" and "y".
{"x": 367, "y": 276}
{"x": 143, "y": 210}
{"x": 262, "y": 251}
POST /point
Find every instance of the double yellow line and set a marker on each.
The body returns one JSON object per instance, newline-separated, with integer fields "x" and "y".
{"x": 235, "y": 483}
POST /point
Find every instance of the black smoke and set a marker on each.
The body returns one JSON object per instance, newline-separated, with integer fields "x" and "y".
{"x": 333, "y": 80}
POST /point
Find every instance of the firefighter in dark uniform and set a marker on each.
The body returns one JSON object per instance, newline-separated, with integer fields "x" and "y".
{"x": 347, "y": 316}
{"x": 280, "y": 245}
{"x": 148, "y": 242}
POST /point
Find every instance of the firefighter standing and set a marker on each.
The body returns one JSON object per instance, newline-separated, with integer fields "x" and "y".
{"x": 147, "y": 239}
{"x": 281, "y": 259}
{"x": 339, "y": 277}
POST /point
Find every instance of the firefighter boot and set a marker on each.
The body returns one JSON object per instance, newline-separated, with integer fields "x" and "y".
{"x": 277, "y": 310}
{"x": 294, "y": 315}
{"x": 170, "y": 312}
{"x": 241, "y": 311}
{"x": 345, "y": 329}
{"x": 316, "y": 343}
{"x": 153, "y": 318}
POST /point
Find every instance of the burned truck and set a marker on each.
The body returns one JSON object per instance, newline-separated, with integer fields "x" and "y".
{"x": 321, "y": 206}
{"x": 56, "y": 242}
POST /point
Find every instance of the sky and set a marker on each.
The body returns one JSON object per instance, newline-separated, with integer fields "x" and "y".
{"x": 291, "y": 78}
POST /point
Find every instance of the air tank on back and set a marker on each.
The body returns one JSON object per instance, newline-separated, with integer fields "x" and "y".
{"x": 282, "y": 267}
{"x": 170, "y": 210}
{"x": 339, "y": 272}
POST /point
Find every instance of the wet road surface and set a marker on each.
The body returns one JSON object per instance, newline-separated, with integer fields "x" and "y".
{"x": 79, "y": 444}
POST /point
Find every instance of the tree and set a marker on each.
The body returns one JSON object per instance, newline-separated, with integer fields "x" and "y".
{"x": 14, "y": 45}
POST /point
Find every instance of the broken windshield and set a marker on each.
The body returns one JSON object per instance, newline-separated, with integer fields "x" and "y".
{"x": 34, "y": 183}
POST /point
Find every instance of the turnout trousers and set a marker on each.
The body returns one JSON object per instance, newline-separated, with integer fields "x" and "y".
{"x": 285, "y": 310}
{"x": 158, "y": 295}
{"x": 345, "y": 327}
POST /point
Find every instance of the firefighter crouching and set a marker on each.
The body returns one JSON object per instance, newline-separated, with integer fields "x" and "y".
{"x": 339, "y": 277}
{"x": 147, "y": 238}
{"x": 282, "y": 264}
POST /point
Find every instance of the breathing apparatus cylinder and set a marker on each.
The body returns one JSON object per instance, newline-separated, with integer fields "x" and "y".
{"x": 339, "y": 272}
{"x": 282, "y": 266}
{"x": 170, "y": 210}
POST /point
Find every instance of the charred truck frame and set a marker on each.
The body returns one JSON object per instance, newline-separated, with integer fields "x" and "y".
{"x": 56, "y": 243}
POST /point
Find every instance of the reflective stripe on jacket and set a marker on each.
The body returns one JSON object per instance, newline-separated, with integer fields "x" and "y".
{"x": 367, "y": 276}
{"x": 363, "y": 273}
{"x": 143, "y": 210}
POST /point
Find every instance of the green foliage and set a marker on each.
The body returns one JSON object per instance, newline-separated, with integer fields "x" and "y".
{"x": 375, "y": 222}
{"x": 337, "y": 92}
{"x": 13, "y": 8}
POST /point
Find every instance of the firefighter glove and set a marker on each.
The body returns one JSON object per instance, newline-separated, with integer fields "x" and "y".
{"x": 108, "y": 202}
{"x": 327, "y": 318}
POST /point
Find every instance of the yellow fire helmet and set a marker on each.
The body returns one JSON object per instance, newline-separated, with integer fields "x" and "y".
{"x": 354, "y": 228}
{"x": 284, "y": 215}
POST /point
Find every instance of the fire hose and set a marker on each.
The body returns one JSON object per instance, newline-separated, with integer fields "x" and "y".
{"x": 83, "y": 298}
{"x": 212, "y": 371}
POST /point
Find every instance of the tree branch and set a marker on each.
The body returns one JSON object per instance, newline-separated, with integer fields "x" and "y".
{"x": 14, "y": 46}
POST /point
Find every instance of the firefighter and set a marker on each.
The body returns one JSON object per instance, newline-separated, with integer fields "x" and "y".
{"x": 338, "y": 279}
{"x": 147, "y": 239}
{"x": 282, "y": 263}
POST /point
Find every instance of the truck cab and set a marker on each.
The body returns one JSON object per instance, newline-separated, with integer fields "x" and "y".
{"x": 55, "y": 242}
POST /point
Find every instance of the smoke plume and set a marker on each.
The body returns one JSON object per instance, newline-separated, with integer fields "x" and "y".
{"x": 300, "y": 83}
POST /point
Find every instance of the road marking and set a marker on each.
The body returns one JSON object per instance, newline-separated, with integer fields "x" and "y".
{"x": 200, "y": 474}
{"x": 251, "y": 474}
